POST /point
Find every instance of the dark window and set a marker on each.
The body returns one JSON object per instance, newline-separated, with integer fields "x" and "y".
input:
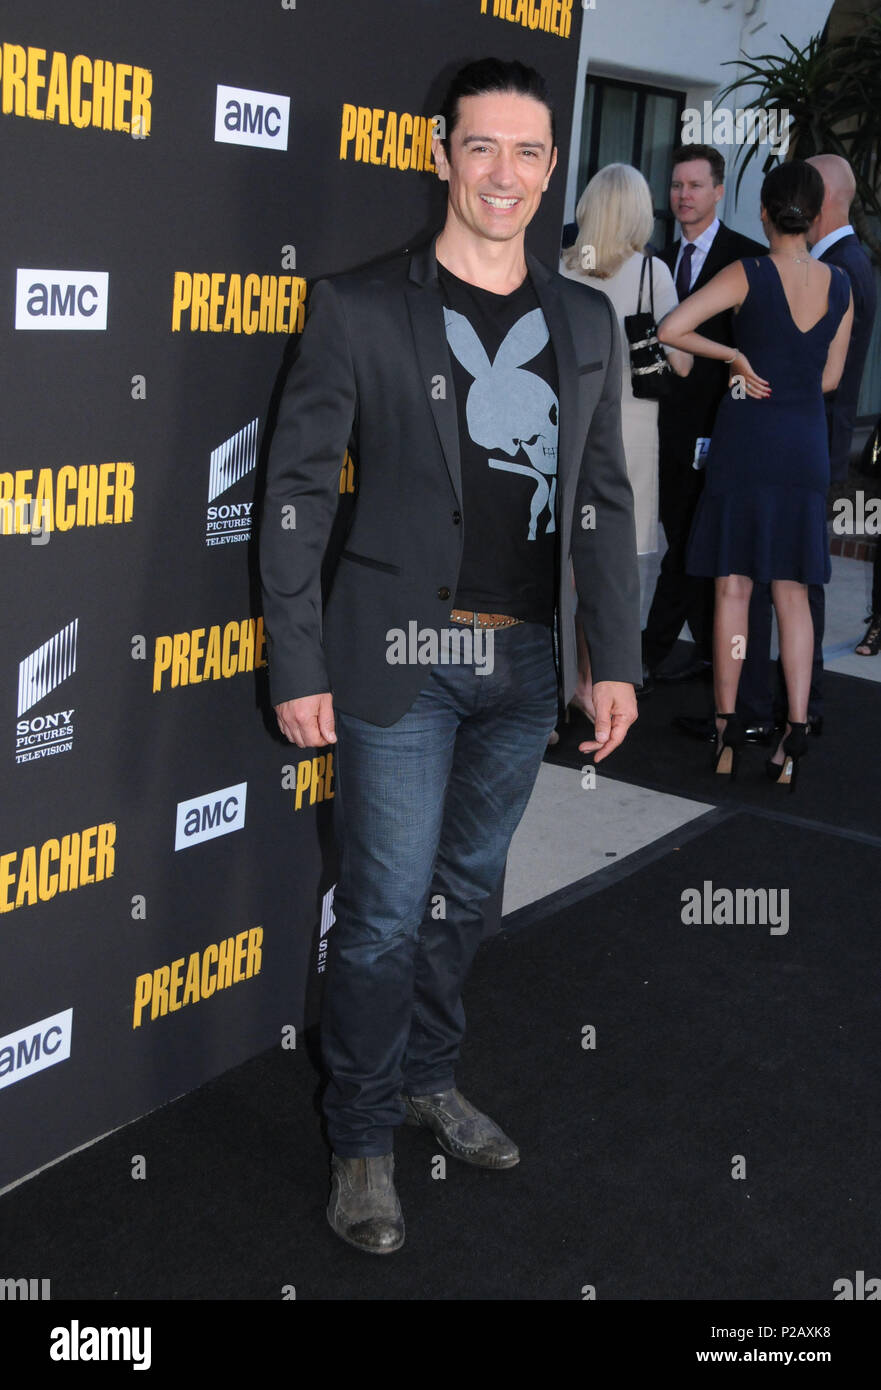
{"x": 625, "y": 123}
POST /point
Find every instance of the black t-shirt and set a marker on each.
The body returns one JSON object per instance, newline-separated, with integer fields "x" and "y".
{"x": 505, "y": 379}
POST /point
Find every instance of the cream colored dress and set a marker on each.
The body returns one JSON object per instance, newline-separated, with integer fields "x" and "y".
{"x": 639, "y": 419}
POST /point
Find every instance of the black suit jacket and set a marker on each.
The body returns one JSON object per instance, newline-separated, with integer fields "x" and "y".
{"x": 689, "y": 411}
{"x": 373, "y": 370}
{"x": 841, "y": 404}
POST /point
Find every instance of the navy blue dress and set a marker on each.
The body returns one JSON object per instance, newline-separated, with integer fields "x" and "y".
{"x": 762, "y": 511}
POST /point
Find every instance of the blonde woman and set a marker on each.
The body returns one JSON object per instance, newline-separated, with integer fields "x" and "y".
{"x": 615, "y": 220}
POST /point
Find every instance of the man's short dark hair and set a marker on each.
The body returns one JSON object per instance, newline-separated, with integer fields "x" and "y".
{"x": 685, "y": 153}
{"x": 493, "y": 75}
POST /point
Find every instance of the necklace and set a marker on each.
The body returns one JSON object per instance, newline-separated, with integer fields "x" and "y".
{"x": 804, "y": 260}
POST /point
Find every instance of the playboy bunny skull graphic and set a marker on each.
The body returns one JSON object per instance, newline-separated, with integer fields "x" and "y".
{"x": 510, "y": 409}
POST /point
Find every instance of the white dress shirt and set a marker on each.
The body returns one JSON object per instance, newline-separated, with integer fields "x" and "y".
{"x": 701, "y": 246}
{"x": 838, "y": 235}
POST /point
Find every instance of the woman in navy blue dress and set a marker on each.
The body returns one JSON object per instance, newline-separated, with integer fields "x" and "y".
{"x": 762, "y": 513}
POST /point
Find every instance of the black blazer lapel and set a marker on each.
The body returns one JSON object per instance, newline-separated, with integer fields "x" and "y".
{"x": 426, "y": 308}
{"x": 717, "y": 258}
{"x": 568, "y": 461}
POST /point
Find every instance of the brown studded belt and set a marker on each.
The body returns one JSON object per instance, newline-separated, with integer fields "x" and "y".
{"x": 464, "y": 615}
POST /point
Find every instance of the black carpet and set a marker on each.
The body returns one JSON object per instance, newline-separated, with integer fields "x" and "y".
{"x": 837, "y": 781}
{"x": 719, "y": 1049}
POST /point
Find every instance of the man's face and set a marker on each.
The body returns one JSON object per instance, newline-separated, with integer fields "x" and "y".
{"x": 694, "y": 196}
{"x": 500, "y": 163}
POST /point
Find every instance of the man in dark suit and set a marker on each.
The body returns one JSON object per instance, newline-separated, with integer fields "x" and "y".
{"x": 687, "y": 414}
{"x": 479, "y": 392}
{"x": 833, "y": 240}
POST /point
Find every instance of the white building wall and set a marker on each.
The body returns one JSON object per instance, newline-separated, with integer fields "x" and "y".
{"x": 682, "y": 44}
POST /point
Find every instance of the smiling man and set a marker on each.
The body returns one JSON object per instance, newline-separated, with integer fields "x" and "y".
{"x": 478, "y": 391}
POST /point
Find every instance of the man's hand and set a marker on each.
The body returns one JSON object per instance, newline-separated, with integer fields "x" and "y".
{"x": 308, "y": 722}
{"x": 615, "y": 703}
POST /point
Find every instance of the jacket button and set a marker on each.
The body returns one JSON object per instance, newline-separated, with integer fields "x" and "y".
{"x": 457, "y": 517}
{"x": 443, "y": 592}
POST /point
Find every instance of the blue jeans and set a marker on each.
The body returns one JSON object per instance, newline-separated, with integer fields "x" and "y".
{"x": 424, "y": 813}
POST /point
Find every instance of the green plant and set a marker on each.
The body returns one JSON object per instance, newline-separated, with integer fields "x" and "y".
{"x": 832, "y": 92}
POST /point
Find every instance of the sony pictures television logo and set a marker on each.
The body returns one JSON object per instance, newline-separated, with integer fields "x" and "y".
{"x": 61, "y": 299}
{"x": 243, "y": 117}
{"x": 230, "y": 521}
{"x": 44, "y": 735}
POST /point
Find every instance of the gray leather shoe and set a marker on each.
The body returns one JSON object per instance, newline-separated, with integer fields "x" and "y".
{"x": 364, "y": 1208}
{"x": 462, "y": 1130}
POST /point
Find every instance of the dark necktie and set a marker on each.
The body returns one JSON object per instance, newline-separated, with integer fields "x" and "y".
{"x": 683, "y": 274}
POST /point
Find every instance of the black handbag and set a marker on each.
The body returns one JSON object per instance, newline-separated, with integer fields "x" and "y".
{"x": 651, "y": 375}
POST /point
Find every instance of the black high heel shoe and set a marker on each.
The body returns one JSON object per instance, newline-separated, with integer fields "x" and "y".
{"x": 725, "y": 755}
{"x": 795, "y": 745}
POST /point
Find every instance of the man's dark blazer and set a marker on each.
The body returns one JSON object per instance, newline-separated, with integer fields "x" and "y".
{"x": 841, "y": 404}
{"x": 373, "y": 368}
{"x": 689, "y": 411}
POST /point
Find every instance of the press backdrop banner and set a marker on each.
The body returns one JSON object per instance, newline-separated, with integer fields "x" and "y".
{"x": 175, "y": 178}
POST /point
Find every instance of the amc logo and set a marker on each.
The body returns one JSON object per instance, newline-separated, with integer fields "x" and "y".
{"x": 206, "y": 817}
{"x": 242, "y": 117}
{"x": 35, "y": 1047}
{"x": 61, "y": 299}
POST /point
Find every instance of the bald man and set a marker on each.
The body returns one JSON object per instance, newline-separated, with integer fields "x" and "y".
{"x": 833, "y": 240}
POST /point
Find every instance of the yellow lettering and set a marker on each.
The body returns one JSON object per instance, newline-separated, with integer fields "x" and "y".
{"x": 102, "y": 95}
{"x": 69, "y": 863}
{"x": 7, "y": 879}
{"x": 211, "y": 669}
{"x": 225, "y": 963}
{"x": 232, "y": 318}
{"x": 48, "y": 886}
{"x": 87, "y": 495}
{"x": 88, "y": 851}
{"x": 209, "y": 982}
{"x": 65, "y": 515}
{"x": 215, "y": 302}
{"x": 199, "y": 307}
{"x": 160, "y": 991}
{"x": 376, "y": 132}
{"x": 142, "y": 88}
{"x": 35, "y": 81}
{"x": 191, "y": 987}
{"x": 14, "y": 68}
{"x": 121, "y": 96}
{"x": 196, "y": 652}
{"x": 362, "y": 135}
{"x": 175, "y": 983}
{"x": 250, "y": 315}
{"x": 255, "y": 952}
{"x": 241, "y": 949}
{"x": 179, "y": 665}
{"x": 27, "y": 878}
{"x": 80, "y": 72}
{"x": 105, "y": 851}
{"x": 391, "y": 139}
{"x": 143, "y": 990}
{"x": 347, "y": 128}
{"x": 57, "y": 107}
{"x": 405, "y": 134}
{"x": 181, "y": 297}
